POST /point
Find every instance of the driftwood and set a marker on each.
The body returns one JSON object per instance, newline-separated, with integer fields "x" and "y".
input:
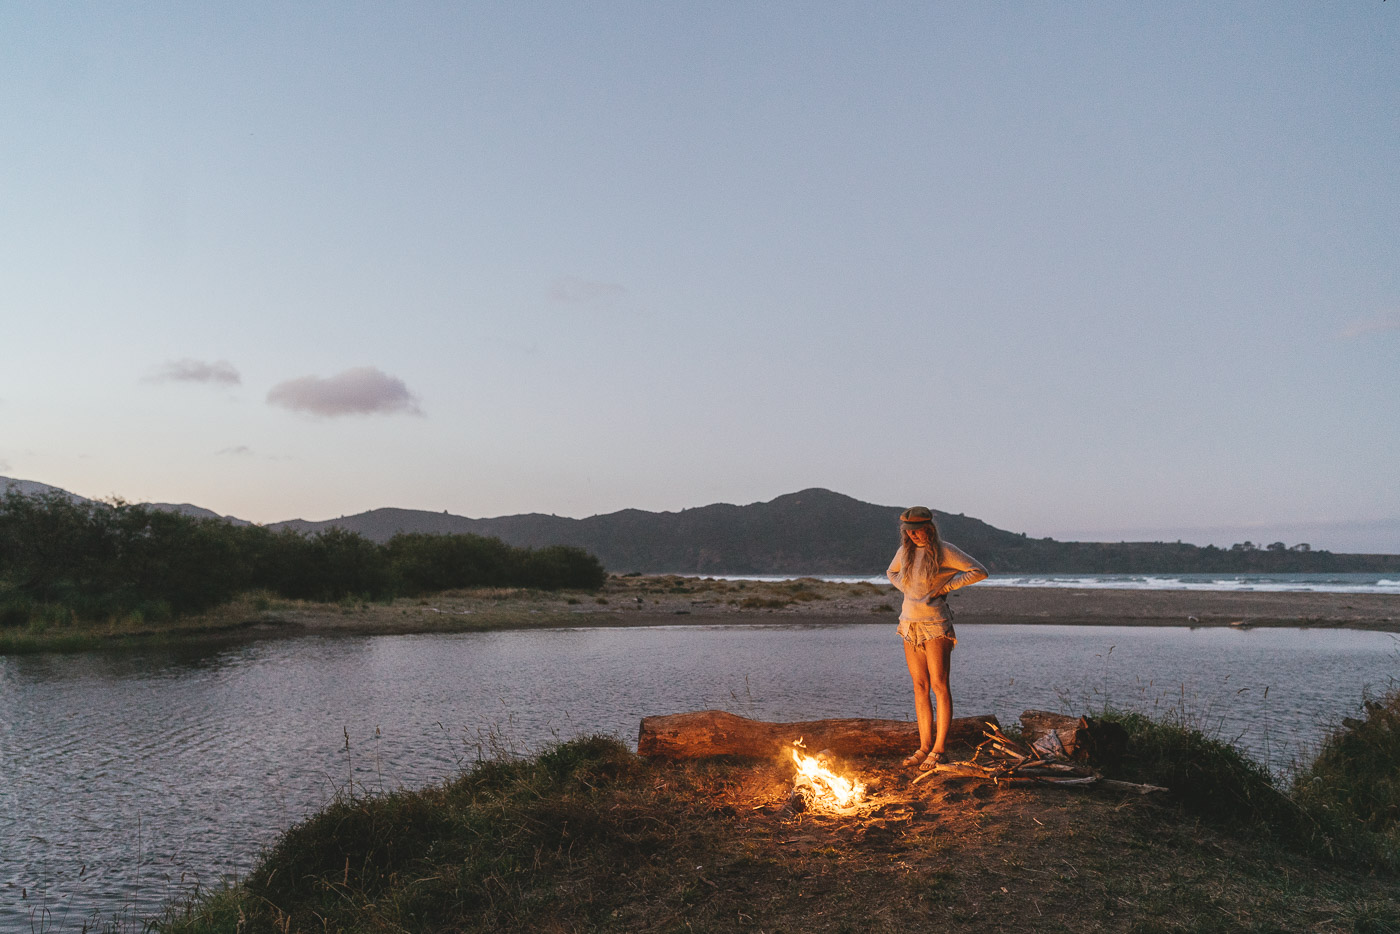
{"x": 717, "y": 733}
{"x": 1052, "y": 732}
{"x": 1006, "y": 760}
{"x": 1134, "y": 787}
{"x": 1081, "y": 738}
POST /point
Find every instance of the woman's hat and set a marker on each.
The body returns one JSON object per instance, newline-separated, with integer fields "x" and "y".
{"x": 916, "y": 517}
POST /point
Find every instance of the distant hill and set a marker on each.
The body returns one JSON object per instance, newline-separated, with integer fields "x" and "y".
{"x": 811, "y": 532}
{"x": 814, "y": 531}
{"x": 34, "y": 488}
{"x": 820, "y": 532}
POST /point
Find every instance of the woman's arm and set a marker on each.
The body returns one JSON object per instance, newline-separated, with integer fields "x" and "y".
{"x": 962, "y": 569}
{"x": 896, "y": 573}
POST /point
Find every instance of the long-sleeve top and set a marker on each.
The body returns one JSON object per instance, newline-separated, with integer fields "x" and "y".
{"x": 926, "y": 584}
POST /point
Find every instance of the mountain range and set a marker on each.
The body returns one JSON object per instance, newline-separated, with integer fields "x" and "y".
{"x": 813, "y": 531}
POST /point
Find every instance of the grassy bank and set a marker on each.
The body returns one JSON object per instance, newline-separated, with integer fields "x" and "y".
{"x": 587, "y": 837}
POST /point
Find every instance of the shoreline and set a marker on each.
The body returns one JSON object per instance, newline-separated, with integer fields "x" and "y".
{"x": 679, "y": 601}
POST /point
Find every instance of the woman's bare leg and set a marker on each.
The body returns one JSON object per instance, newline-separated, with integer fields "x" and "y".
{"x": 939, "y": 656}
{"x": 918, "y": 664}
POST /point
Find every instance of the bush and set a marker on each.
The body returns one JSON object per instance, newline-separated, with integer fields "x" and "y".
{"x": 1351, "y": 791}
{"x": 561, "y": 567}
{"x": 1210, "y": 777}
{"x": 446, "y": 856}
{"x": 1345, "y": 805}
{"x": 61, "y": 560}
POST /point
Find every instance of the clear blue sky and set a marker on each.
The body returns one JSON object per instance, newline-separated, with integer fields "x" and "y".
{"x": 1082, "y": 270}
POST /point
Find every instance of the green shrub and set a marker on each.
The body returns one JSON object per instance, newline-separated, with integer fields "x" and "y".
{"x": 1209, "y": 776}
{"x": 430, "y": 859}
{"x": 1351, "y": 791}
{"x": 62, "y": 560}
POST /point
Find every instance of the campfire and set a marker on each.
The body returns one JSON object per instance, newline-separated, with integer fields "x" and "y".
{"x": 822, "y": 789}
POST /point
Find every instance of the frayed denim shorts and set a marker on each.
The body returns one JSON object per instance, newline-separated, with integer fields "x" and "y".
{"x": 918, "y": 631}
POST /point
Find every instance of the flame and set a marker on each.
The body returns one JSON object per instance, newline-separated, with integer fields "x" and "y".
{"x": 829, "y": 789}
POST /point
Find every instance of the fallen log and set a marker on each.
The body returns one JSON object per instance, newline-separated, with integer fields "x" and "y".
{"x": 717, "y": 733}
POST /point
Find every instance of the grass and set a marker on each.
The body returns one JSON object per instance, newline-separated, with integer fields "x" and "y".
{"x": 1351, "y": 790}
{"x": 1343, "y": 807}
{"x": 1208, "y": 777}
{"x": 588, "y": 837}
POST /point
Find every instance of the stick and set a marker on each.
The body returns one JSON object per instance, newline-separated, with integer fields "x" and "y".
{"x": 1133, "y": 787}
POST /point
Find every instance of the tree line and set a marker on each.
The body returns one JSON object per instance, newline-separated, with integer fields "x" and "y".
{"x": 95, "y": 560}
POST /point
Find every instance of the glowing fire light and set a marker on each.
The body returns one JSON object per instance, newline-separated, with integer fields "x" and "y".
{"x": 828, "y": 789}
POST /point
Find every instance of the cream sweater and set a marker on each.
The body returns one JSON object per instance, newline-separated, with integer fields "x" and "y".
{"x": 926, "y": 584}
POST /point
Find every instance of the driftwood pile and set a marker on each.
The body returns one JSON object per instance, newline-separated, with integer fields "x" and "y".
{"x": 1047, "y": 753}
{"x": 1003, "y": 759}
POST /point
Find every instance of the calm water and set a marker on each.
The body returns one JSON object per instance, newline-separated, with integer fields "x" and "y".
{"x": 126, "y": 779}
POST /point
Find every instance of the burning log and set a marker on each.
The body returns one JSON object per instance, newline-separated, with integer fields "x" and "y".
{"x": 717, "y": 733}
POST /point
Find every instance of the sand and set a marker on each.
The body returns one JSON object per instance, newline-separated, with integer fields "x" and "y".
{"x": 674, "y": 600}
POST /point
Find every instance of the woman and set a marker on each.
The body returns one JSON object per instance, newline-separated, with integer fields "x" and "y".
{"x": 926, "y": 569}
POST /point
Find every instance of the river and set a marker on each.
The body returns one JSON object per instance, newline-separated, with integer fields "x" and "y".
{"x": 126, "y": 779}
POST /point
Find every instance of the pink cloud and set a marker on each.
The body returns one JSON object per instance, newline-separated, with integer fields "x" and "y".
{"x": 363, "y": 390}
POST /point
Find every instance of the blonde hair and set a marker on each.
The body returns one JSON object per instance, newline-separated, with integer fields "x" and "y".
{"x": 907, "y": 546}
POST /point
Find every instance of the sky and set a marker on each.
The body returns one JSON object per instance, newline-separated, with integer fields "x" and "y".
{"x": 1096, "y": 271}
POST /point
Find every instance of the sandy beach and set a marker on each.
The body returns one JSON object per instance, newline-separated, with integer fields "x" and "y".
{"x": 675, "y": 600}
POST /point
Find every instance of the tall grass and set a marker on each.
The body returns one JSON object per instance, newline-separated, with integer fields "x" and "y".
{"x": 1343, "y": 806}
{"x": 1208, "y": 776}
{"x": 1352, "y": 788}
{"x": 506, "y": 845}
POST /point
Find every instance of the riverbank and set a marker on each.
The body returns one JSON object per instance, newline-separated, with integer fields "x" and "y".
{"x": 587, "y": 836}
{"x": 673, "y": 600}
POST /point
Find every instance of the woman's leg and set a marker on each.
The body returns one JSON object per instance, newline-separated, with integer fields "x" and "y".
{"x": 915, "y": 658}
{"x": 939, "y": 656}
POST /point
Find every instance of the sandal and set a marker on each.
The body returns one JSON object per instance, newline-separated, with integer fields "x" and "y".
{"x": 932, "y": 761}
{"x": 915, "y": 759}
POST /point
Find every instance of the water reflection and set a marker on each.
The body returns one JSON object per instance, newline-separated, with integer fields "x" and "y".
{"x": 125, "y": 778}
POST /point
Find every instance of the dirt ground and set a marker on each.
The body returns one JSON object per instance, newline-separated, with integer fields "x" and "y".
{"x": 962, "y": 854}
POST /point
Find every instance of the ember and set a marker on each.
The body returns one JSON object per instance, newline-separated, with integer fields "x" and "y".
{"x": 822, "y": 788}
